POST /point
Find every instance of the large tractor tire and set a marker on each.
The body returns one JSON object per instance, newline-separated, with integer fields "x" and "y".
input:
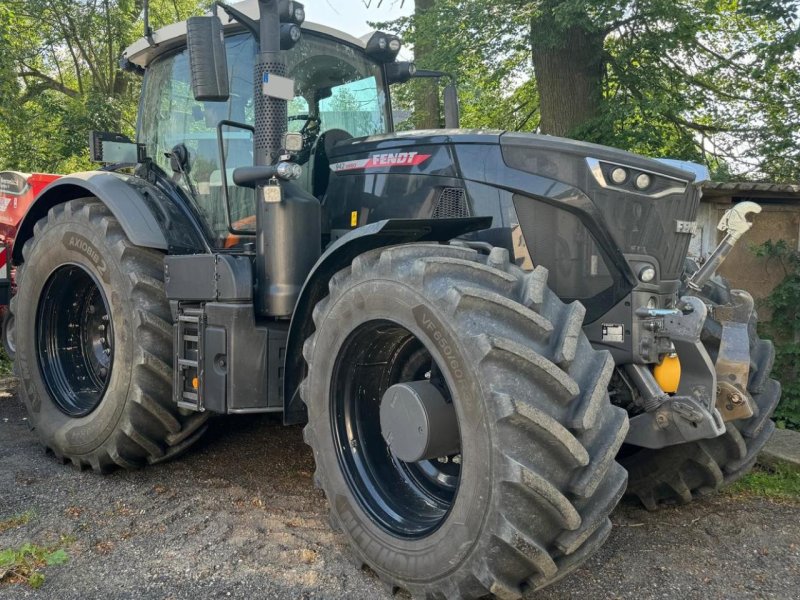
{"x": 9, "y": 342}
{"x": 94, "y": 344}
{"x": 679, "y": 474}
{"x": 524, "y": 494}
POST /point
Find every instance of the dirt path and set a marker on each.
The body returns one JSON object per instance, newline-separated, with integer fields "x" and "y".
{"x": 239, "y": 517}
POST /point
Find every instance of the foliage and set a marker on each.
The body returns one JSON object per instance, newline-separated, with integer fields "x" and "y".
{"x": 784, "y": 328}
{"x": 704, "y": 80}
{"x": 60, "y": 76}
{"x": 781, "y": 483}
{"x": 6, "y": 367}
{"x": 24, "y": 564}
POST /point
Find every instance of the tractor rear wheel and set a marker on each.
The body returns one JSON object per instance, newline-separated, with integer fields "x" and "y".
{"x": 460, "y": 422}
{"x": 9, "y": 343}
{"x": 94, "y": 343}
{"x": 679, "y": 474}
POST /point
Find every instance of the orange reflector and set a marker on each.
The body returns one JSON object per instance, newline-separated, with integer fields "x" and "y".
{"x": 195, "y": 382}
{"x": 354, "y": 218}
{"x": 668, "y": 373}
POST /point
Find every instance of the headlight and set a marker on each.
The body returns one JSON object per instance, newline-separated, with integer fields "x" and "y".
{"x": 619, "y": 175}
{"x": 647, "y": 274}
{"x": 394, "y": 45}
{"x": 643, "y": 181}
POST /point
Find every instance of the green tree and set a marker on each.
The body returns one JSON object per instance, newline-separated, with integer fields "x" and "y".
{"x": 60, "y": 76}
{"x": 709, "y": 80}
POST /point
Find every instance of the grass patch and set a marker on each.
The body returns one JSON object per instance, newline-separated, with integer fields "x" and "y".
{"x": 24, "y": 565}
{"x": 780, "y": 483}
{"x": 15, "y": 521}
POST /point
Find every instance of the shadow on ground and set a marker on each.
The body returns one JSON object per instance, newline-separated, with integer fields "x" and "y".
{"x": 239, "y": 517}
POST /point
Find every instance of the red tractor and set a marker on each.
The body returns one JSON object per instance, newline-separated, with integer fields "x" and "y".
{"x": 17, "y": 192}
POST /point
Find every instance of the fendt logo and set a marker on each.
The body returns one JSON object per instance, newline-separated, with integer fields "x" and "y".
{"x": 390, "y": 159}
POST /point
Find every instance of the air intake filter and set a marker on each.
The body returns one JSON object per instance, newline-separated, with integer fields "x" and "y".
{"x": 452, "y": 204}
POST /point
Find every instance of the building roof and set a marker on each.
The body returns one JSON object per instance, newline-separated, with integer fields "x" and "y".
{"x": 750, "y": 189}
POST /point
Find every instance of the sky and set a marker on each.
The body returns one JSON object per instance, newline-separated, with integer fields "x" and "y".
{"x": 351, "y": 16}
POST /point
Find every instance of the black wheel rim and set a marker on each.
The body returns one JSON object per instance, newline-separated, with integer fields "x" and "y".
{"x": 408, "y": 500}
{"x": 75, "y": 340}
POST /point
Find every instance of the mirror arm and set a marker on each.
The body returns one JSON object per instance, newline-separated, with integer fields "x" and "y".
{"x": 424, "y": 73}
{"x": 238, "y": 16}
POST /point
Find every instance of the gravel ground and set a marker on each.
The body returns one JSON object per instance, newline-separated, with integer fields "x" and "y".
{"x": 239, "y": 517}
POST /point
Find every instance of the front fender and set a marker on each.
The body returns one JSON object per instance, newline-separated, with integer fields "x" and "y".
{"x": 338, "y": 255}
{"x": 148, "y": 216}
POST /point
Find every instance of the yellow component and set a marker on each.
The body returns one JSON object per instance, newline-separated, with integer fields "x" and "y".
{"x": 195, "y": 383}
{"x": 354, "y": 218}
{"x": 668, "y": 373}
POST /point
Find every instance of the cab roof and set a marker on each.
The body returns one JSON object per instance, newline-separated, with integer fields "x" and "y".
{"x": 173, "y": 36}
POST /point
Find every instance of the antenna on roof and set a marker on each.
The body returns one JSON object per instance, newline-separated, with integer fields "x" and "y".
{"x": 148, "y": 32}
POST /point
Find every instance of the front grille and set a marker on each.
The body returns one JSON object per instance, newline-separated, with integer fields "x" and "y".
{"x": 452, "y": 204}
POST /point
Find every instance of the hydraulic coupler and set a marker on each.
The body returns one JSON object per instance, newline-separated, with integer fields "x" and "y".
{"x": 734, "y": 222}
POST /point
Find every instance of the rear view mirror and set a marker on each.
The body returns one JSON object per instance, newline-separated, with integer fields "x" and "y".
{"x": 208, "y": 59}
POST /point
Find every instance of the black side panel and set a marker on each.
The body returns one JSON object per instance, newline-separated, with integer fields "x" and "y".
{"x": 199, "y": 277}
{"x": 243, "y": 360}
{"x": 149, "y": 217}
{"x": 338, "y": 255}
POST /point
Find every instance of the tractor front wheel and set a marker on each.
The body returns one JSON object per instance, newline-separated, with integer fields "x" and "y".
{"x": 460, "y": 422}
{"x": 94, "y": 343}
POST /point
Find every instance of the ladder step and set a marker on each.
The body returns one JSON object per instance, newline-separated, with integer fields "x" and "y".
{"x": 189, "y": 405}
{"x": 185, "y": 362}
{"x": 191, "y": 338}
{"x": 188, "y": 319}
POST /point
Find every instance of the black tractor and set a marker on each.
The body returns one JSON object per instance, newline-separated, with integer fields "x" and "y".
{"x": 484, "y": 333}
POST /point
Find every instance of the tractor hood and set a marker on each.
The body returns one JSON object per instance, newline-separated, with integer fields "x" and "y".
{"x": 549, "y": 198}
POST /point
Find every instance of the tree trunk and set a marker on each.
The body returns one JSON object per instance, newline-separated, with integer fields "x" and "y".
{"x": 569, "y": 76}
{"x": 426, "y": 92}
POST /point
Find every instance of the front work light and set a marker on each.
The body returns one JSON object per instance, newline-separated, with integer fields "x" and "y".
{"x": 383, "y": 47}
{"x": 290, "y": 35}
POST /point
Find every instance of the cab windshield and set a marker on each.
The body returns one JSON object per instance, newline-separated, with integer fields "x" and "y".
{"x": 340, "y": 94}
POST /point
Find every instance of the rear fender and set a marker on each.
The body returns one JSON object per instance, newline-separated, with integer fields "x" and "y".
{"x": 149, "y": 217}
{"x": 339, "y": 255}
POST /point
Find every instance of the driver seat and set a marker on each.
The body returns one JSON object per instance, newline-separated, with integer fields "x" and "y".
{"x": 322, "y": 164}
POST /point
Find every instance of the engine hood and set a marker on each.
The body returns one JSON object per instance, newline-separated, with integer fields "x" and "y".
{"x": 406, "y": 141}
{"x": 413, "y": 140}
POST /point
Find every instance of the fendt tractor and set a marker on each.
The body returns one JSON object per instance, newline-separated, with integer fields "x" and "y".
{"x": 489, "y": 336}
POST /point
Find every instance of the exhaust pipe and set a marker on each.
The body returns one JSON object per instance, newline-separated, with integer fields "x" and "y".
{"x": 287, "y": 218}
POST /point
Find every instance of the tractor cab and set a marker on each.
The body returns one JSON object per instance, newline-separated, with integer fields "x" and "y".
{"x": 340, "y": 92}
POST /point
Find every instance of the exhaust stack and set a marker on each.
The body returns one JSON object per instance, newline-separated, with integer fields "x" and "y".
{"x": 287, "y": 218}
